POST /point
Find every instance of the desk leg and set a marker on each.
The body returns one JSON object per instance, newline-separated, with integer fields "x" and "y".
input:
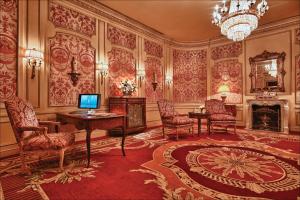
{"x": 123, "y": 141}
{"x": 88, "y": 146}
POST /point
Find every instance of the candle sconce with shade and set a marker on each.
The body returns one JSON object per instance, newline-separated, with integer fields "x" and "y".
{"x": 169, "y": 80}
{"x": 34, "y": 60}
{"x": 74, "y": 75}
{"x": 154, "y": 81}
{"x": 224, "y": 90}
{"x": 141, "y": 75}
{"x": 103, "y": 70}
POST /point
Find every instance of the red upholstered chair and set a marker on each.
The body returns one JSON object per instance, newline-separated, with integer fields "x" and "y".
{"x": 31, "y": 134}
{"x": 171, "y": 119}
{"x": 219, "y": 115}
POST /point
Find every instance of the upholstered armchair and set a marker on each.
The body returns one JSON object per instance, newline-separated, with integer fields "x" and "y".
{"x": 32, "y": 135}
{"x": 172, "y": 119}
{"x": 219, "y": 115}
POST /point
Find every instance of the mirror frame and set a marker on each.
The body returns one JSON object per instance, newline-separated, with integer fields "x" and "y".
{"x": 280, "y": 57}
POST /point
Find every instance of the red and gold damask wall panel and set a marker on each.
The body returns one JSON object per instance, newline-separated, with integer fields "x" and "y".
{"x": 297, "y": 63}
{"x": 189, "y": 76}
{"x": 228, "y": 72}
{"x": 8, "y": 48}
{"x": 63, "y": 48}
{"x": 153, "y": 66}
{"x": 153, "y": 49}
{"x": 70, "y": 19}
{"x": 120, "y": 37}
{"x": 227, "y": 51}
{"x": 121, "y": 67}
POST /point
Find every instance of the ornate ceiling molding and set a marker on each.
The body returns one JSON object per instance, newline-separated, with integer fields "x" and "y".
{"x": 103, "y": 11}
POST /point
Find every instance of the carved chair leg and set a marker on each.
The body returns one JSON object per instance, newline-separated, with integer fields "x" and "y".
{"x": 24, "y": 167}
{"x": 163, "y": 129}
{"x": 61, "y": 161}
{"x": 176, "y": 134}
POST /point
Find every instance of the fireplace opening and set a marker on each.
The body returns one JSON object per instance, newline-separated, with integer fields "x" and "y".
{"x": 266, "y": 117}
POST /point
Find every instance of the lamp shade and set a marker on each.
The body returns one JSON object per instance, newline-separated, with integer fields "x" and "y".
{"x": 102, "y": 66}
{"x": 141, "y": 72}
{"x": 169, "y": 78}
{"x": 33, "y": 54}
{"x": 223, "y": 88}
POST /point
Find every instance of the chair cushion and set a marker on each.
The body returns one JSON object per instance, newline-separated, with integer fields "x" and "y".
{"x": 179, "y": 120}
{"x": 222, "y": 117}
{"x": 56, "y": 141}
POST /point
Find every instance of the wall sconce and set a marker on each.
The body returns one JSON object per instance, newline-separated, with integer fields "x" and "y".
{"x": 154, "y": 81}
{"x": 168, "y": 80}
{"x": 34, "y": 60}
{"x": 224, "y": 90}
{"x": 103, "y": 70}
{"x": 74, "y": 75}
{"x": 141, "y": 75}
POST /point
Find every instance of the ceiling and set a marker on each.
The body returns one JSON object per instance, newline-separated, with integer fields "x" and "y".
{"x": 188, "y": 21}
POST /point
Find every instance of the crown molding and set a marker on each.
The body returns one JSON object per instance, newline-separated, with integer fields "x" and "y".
{"x": 110, "y": 14}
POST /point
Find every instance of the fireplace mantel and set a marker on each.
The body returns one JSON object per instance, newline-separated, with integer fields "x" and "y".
{"x": 284, "y": 108}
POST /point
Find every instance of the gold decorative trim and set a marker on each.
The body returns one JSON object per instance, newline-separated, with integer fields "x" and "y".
{"x": 100, "y": 9}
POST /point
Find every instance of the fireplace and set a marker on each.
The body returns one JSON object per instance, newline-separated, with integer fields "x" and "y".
{"x": 266, "y": 117}
{"x": 268, "y": 114}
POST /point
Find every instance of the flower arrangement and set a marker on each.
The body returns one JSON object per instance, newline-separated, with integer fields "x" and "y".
{"x": 127, "y": 87}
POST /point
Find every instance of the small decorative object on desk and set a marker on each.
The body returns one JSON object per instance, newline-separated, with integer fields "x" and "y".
{"x": 127, "y": 87}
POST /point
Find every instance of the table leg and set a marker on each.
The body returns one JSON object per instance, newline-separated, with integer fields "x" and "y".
{"x": 123, "y": 141}
{"x": 88, "y": 146}
{"x": 208, "y": 126}
{"x": 199, "y": 126}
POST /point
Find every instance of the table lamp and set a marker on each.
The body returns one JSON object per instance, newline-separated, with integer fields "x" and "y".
{"x": 223, "y": 90}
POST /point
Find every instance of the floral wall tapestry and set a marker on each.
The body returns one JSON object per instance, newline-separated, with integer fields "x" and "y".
{"x": 70, "y": 19}
{"x": 227, "y": 70}
{"x": 121, "y": 67}
{"x": 153, "y": 67}
{"x": 63, "y": 48}
{"x": 8, "y": 49}
{"x": 190, "y": 76}
{"x": 297, "y": 62}
{"x": 120, "y": 59}
{"x": 226, "y": 51}
{"x": 120, "y": 37}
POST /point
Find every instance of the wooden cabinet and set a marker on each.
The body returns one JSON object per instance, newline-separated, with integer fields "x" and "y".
{"x": 135, "y": 110}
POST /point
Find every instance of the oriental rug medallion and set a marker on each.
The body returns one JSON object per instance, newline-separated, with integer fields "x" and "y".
{"x": 208, "y": 168}
{"x": 247, "y": 165}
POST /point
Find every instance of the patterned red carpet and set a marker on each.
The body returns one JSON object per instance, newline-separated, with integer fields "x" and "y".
{"x": 248, "y": 165}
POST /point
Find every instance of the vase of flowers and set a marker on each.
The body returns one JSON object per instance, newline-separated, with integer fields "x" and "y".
{"x": 127, "y": 87}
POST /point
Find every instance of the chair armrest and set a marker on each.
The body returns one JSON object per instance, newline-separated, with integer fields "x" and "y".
{"x": 38, "y": 130}
{"x": 51, "y": 124}
{"x": 180, "y": 114}
{"x": 32, "y": 128}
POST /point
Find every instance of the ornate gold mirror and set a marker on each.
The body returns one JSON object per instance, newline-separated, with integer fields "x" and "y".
{"x": 267, "y": 72}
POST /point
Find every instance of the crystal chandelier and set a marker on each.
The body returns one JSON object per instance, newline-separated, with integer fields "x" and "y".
{"x": 241, "y": 19}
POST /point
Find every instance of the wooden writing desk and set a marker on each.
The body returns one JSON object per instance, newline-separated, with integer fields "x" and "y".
{"x": 93, "y": 122}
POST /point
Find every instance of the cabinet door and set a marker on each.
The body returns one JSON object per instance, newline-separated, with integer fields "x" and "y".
{"x": 135, "y": 115}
